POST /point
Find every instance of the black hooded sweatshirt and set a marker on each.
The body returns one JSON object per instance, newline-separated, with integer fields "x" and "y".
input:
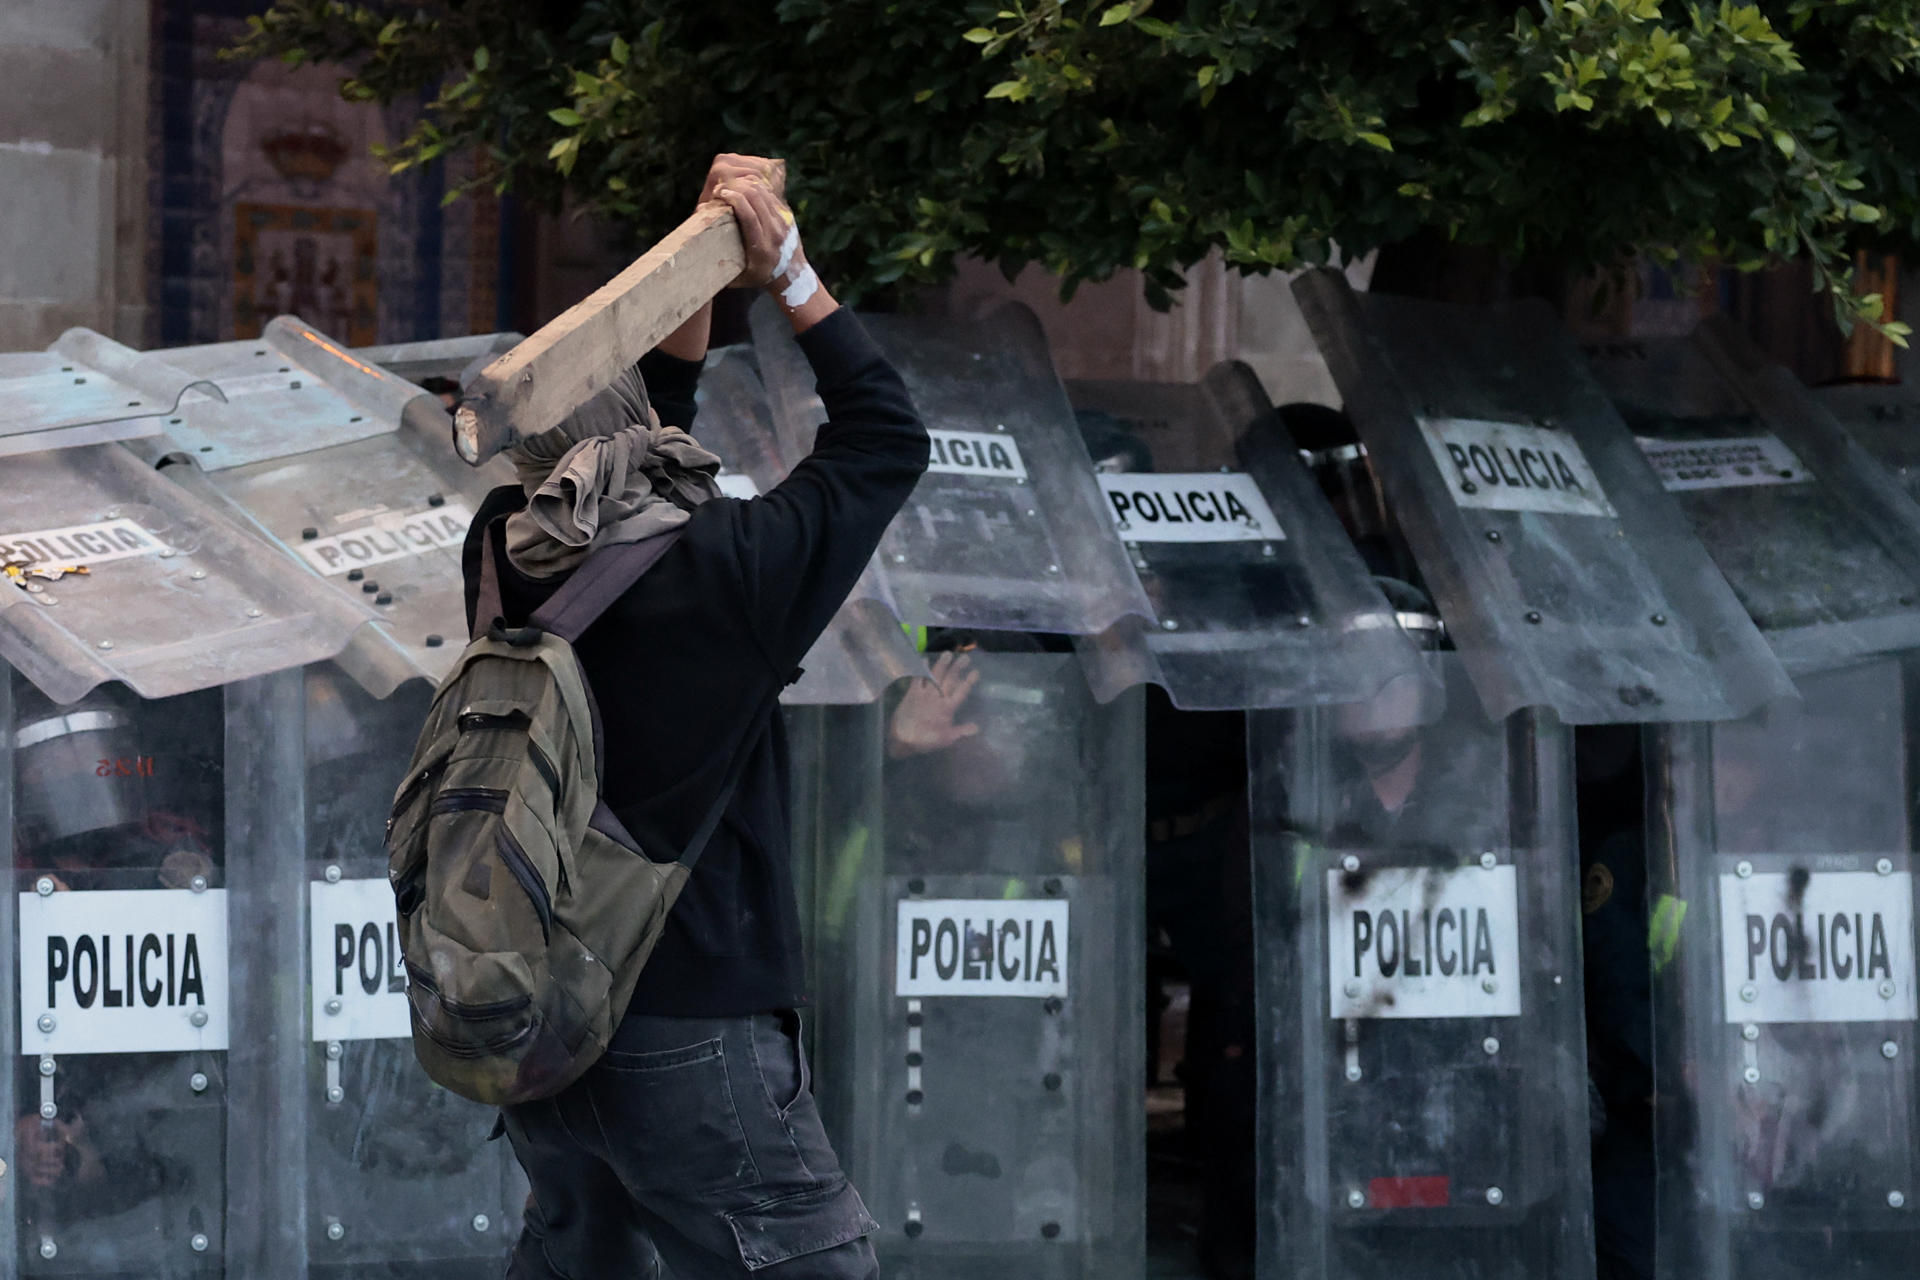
{"x": 681, "y": 665}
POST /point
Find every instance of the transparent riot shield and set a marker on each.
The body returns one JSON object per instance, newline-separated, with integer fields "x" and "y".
{"x": 976, "y": 909}
{"x": 87, "y": 389}
{"x": 121, "y": 986}
{"x": 1260, "y": 598}
{"x": 109, "y": 571}
{"x": 400, "y": 1179}
{"x": 1568, "y": 578}
{"x": 1423, "y": 1104}
{"x": 1788, "y": 1100}
{"x": 864, "y": 650}
{"x": 1820, "y": 544}
{"x": 1006, "y": 530}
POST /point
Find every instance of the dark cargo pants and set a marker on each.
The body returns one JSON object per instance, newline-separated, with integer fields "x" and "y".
{"x": 698, "y": 1138}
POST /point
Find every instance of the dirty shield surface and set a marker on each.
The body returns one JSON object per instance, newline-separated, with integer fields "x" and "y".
{"x": 1784, "y": 996}
{"x": 1423, "y": 1078}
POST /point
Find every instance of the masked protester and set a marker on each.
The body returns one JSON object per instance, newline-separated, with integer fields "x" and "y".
{"x": 696, "y": 1132}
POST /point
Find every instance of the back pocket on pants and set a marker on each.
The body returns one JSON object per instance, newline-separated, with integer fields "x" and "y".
{"x": 670, "y": 1121}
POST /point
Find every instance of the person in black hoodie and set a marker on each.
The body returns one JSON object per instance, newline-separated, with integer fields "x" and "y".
{"x": 696, "y": 1134}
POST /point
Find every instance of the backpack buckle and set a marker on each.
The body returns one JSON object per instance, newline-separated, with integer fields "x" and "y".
{"x": 518, "y": 637}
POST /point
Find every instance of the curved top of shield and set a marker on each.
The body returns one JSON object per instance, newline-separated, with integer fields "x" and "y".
{"x": 1261, "y": 598}
{"x": 447, "y": 358}
{"x": 291, "y": 390}
{"x": 1819, "y": 543}
{"x": 1568, "y": 577}
{"x": 115, "y": 572}
{"x": 1007, "y": 530}
{"x": 863, "y": 649}
{"x": 88, "y": 389}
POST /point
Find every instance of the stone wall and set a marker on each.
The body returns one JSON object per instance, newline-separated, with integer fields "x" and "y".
{"x": 73, "y": 185}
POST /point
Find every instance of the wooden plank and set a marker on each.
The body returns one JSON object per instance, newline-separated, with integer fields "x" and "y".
{"x": 579, "y": 353}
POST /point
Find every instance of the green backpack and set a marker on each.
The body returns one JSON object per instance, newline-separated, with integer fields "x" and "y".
{"x": 526, "y": 910}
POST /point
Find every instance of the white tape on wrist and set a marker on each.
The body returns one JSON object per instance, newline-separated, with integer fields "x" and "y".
{"x": 804, "y": 286}
{"x": 788, "y": 247}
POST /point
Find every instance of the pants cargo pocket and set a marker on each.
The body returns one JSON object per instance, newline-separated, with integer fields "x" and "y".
{"x": 793, "y": 1226}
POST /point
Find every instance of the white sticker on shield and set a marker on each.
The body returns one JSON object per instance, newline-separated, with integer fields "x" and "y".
{"x": 983, "y": 947}
{"x": 1830, "y": 946}
{"x": 123, "y": 971}
{"x": 1423, "y": 942}
{"x": 1722, "y": 464}
{"x": 1201, "y": 506}
{"x": 390, "y": 536}
{"x": 358, "y": 977}
{"x": 1502, "y": 466}
{"x": 974, "y": 453}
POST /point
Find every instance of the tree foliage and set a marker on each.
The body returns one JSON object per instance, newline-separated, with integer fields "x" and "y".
{"x": 1094, "y": 136}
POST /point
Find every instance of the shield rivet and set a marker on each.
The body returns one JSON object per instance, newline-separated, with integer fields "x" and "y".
{"x": 48, "y": 1249}
{"x": 48, "y": 1111}
{"x": 333, "y": 875}
{"x": 1350, "y": 863}
{"x": 199, "y": 1242}
{"x": 1886, "y": 989}
{"x": 1743, "y": 869}
{"x": 1495, "y": 1195}
{"x": 1889, "y": 1050}
{"x": 1755, "y": 1200}
{"x": 44, "y": 886}
{"x": 1169, "y": 624}
{"x": 1749, "y": 992}
{"x": 335, "y": 1049}
{"x": 46, "y": 1022}
{"x": 198, "y": 1017}
{"x": 336, "y": 1094}
{"x": 1353, "y": 987}
{"x": 336, "y": 1231}
{"x": 1895, "y": 1200}
{"x": 1488, "y": 861}
{"x": 1750, "y": 1032}
{"x": 1356, "y": 1199}
{"x": 1751, "y": 1075}
{"x": 333, "y": 1006}
{"x": 481, "y": 1222}
{"x": 1489, "y": 985}
{"x": 197, "y": 1082}
{"x": 198, "y": 884}
{"x": 1884, "y": 866}
{"x": 1491, "y": 1044}
{"x": 1353, "y": 1073}
{"x": 47, "y": 1066}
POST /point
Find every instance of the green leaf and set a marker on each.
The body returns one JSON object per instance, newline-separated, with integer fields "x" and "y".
{"x": 1118, "y": 14}
{"x": 553, "y": 152}
{"x": 1863, "y": 213}
{"x": 1207, "y": 73}
{"x": 1014, "y": 89}
{"x": 620, "y": 52}
{"x": 566, "y": 116}
{"x": 923, "y": 95}
{"x": 1379, "y": 140}
{"x": 1784, "y": 140}
{"x": 481, "y": 58}
{"x": 979, "y": 35}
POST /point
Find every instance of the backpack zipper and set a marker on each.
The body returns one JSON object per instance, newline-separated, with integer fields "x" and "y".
{"x": 462, "y": 799}
{"x": 523, "y": 870}
{"x": 412, "y": 789}
{"x": 479, "y": 721}
{"x": 492, "y": 1009}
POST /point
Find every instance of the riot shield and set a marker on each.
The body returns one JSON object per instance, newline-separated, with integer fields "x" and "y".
{"x": 119, "y": 1092}
{"x": 400, "y": 1178}
{"x": 112, "y": 572}
{"x": 1006, "y": 531}
{"x": 1818, "y": 542}
{"x": 87, "y": 389}
{"x": 864, "y": 650}
{"x": 1423, "y": 1081}
{"x": 1788, "y": 1113}
{"x": 976, "y": 909}
{"x": 1260, "y": 598}
{"x": 1568, "y": 578}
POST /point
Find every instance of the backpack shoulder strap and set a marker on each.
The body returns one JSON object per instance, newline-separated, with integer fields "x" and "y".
{"x": 601, "y": 579}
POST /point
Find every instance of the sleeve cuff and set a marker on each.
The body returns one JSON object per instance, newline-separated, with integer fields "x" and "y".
{"x": 838, "y": 348}
{"x": 669, "y": 376}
